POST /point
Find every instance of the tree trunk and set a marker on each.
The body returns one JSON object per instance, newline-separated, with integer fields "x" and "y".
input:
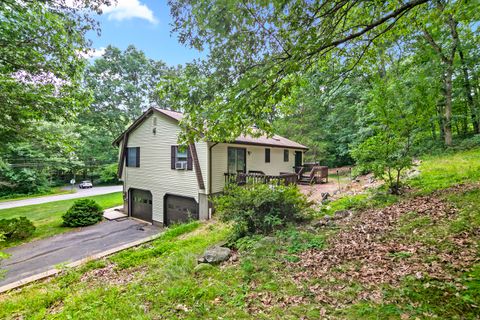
{"x": 468, "y": 93}
{"x": 448, "y": 104}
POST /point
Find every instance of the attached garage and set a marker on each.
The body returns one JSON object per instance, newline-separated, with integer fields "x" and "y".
{"x": 180, "y": 209}
{"x": 140, "y": 202}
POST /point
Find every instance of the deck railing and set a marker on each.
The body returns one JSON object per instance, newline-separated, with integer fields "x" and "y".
{"x": 241, "y": 178}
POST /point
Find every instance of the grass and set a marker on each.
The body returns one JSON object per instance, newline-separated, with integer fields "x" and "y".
{"x": 53, "y": 191}
{"x": 160, "y": 280}
{"x": 47, "y": 217}
{"x": 443, "y": 171}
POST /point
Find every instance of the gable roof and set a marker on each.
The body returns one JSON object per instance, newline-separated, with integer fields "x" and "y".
{"x": 273, "y": 141}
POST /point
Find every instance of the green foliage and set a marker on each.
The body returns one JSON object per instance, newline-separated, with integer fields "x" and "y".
{"x": 22, "y": 179}
{"x": 41, "y": 62}
{"x": 327, "y": 121}
{"x": 108, "y": 174}
{"x": 299, "y": 241}
{"x": 261, "y": 208}
{"x": 374, "y": 199}
{"x": 84, "y": 212}
{"x": 397, "y": 116}
{"x": 259, "y": 52}
{"x": 469, "y": 143}
{"x": 16, "y": 229}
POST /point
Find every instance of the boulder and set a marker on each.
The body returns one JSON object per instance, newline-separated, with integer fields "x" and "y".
{"x": 325, "y": 222}
{"x": 341, "y": 214}
{"x": 216, "y": 254}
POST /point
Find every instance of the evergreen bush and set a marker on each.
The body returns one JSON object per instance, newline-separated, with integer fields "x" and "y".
{"x": 16, "y": 228}
{"x": 84, "y": 212}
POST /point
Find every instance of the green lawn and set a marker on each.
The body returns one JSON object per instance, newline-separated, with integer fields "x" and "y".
{"x": 440, "y": 172}
{"x": 47, "y": 217}
{"x": 53, "y": 191}
{"x": 270, "y": 280}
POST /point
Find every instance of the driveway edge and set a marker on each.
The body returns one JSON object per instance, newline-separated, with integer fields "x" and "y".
{"x": 96, "y": 256}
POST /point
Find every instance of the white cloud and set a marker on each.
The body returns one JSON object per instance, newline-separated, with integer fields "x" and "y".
{"x": 93, "y": 53}
{"x": 129, "y": 9}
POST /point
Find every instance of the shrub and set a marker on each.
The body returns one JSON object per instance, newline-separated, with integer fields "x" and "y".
{"x": 16, "y": 228}
{"x": 261, "y": 208}
{"x": 83, "y": 212}
{"x": 469, "y": 143}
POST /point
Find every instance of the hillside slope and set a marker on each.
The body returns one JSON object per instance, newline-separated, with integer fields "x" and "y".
{"x": 409, "y": 257}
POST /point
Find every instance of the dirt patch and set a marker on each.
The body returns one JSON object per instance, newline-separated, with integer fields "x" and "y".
{"x": 364, "y": 252}
{"x": 109, "y": 275}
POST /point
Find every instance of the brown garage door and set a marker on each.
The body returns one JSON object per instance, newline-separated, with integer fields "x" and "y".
{"x": 180, "y": 209}
{"x": 141, "y": 204}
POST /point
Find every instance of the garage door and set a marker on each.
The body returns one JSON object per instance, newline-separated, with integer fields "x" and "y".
{"x": 180, "y": 209}
{"x": 141, "y": 204}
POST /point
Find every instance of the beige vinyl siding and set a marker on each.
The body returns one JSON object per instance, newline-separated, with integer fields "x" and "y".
{"x": 255, "y": 161}
{"x": 155, "y": 173}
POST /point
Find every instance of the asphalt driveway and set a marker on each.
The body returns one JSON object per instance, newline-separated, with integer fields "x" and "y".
{"x": 79, "y": 194}
{"x": 40, "y": 256}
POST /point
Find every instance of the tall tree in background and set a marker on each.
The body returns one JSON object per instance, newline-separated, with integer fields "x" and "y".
{"x": 258, "y": 51}
{"x": 40, "y": 60}
{"x": 41, "y": 64}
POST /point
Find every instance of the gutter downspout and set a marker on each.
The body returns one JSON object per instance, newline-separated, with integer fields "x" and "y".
{"x": 210, "y": 168}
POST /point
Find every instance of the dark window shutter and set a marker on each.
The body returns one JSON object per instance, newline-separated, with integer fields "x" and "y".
{"x": 267, "y": 155}
{"x": 189, "y": 159}
{"x": 137, "y": 163}
{"x": 174, "y": 156}
{"x": 127, "y": 163}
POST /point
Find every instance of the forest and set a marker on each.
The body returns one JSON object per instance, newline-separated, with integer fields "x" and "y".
{"x": 371, "y": 84}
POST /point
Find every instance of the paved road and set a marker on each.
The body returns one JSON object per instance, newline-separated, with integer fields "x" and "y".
{"x": 79, "y": 194}
{"x": 39, "y": 256}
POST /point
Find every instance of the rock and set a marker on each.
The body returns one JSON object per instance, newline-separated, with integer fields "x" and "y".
{"x": 216, "y": 254}
{"x": 413, "y": 173}
{"x": 325, "y": 195}
{"x": 341, "y": 214}
{"x": 323, "y": 223}
{"x": 201, "y": 267}
{"x": 201, "y": 259}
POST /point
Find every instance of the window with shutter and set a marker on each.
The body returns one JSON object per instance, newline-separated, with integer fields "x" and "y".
{"x": 181, "y": 158}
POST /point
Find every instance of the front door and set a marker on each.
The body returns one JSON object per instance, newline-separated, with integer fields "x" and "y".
{"x": 237, "y": 160}
{"x": 298, "y": 159}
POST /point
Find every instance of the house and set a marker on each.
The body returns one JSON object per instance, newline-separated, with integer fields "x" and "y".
{"x": 164, "y": 183}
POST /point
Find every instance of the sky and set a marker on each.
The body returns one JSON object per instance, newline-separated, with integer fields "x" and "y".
{"x": 146, "y": 25}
